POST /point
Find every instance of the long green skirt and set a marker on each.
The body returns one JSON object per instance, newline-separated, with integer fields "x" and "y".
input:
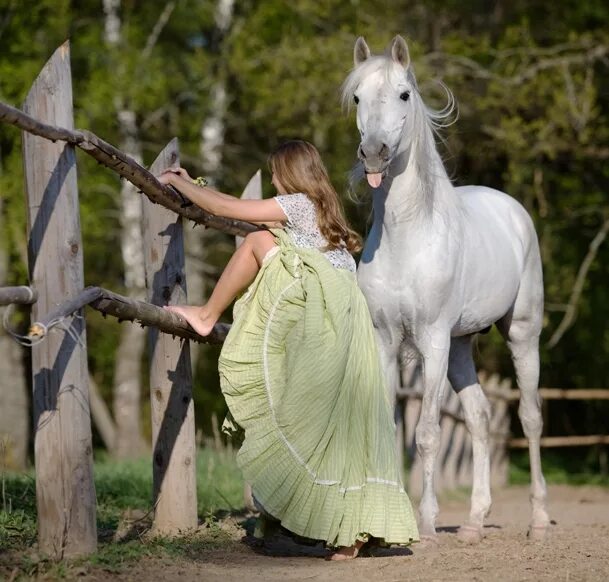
{"x": 301, "y": 376}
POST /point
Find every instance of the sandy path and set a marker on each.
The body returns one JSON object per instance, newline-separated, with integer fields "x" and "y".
{"x": 577, "y": 549}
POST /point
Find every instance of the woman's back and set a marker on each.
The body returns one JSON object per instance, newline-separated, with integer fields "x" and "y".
{"x": 303, "y": 229}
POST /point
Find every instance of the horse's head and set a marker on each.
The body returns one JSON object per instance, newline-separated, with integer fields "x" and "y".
{"x": 382, "y": 88}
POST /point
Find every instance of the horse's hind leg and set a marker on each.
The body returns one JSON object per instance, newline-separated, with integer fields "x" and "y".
{"x": 521, "y": 329}
{"x": 476, "y": 408}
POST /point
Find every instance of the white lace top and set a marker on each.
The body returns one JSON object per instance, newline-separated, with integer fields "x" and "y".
{"x": 303, "y": 230}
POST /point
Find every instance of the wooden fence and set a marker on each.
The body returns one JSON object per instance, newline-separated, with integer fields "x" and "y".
{"x": 63, "y": 448}
{"x": 454, "y": 467}
{"x": 65, "y": 491}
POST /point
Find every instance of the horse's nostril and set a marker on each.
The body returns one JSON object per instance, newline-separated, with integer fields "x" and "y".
{"x": 361, "y": 152}
{"x": 384, "y": 153}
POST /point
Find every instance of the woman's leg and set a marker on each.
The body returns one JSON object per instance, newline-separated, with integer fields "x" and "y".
{"x": 240, "y": 271}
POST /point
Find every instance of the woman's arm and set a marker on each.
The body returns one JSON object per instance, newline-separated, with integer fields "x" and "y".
{"x": 214, "y": 202}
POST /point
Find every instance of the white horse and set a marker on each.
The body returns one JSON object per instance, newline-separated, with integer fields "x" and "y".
{"x": 441, "y": 264}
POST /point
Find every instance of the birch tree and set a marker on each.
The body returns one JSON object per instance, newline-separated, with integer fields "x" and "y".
{"x": 210, "y": 152}
{"x": 14, "y": 409}
{"x": 127, "y": 372}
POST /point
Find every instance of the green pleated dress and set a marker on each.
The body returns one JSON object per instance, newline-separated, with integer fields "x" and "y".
{"x": 301, "y": 376}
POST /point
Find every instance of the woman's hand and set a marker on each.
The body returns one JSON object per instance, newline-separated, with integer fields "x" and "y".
{"x": 167, "y": 176}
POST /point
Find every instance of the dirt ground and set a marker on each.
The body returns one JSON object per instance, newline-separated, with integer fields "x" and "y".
{"x": 577, "y": 549}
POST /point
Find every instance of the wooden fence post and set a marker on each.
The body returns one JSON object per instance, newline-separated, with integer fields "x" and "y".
{"x": 252, "y": 191}
{"x": 65, "y": 493}
{"x": 173, "y": 422}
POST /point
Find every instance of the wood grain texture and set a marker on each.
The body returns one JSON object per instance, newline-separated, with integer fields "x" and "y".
{"x": 65, "y": 492}
{"x": 21, "y": 295}
{"x": 173, "y": 424}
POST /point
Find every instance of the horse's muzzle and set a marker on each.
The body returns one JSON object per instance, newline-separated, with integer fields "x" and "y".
{"x": 374, "y": 159}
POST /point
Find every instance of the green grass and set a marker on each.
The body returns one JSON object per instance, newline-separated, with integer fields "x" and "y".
{"x": 124, "y": 491}
{"x": 559, "y": 468}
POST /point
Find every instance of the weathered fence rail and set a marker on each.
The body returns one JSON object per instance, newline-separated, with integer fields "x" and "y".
{"x": 21, "y": 295}
{"x": 125, "y": 309}
{"x": 123, "y": 165}
{"x": 455, "y": 456}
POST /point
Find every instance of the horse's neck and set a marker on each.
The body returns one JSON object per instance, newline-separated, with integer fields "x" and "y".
{"x": 420, "y": 192}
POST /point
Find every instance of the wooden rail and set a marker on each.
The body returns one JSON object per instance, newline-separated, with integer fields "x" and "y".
{"x": 123, "y": 165}
{"x": 557, "y": 394}
{"x": 455, "y": 453}
{"x": 21, "y": 295}
{"x": 562, "y": 441}
{"x": 514, "y": 395}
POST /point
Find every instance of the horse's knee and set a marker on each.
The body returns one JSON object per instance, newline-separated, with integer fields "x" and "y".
{"x": 530, "y": 418}
{"x": 476, "y": 410}
{"x": 427, "y": 437}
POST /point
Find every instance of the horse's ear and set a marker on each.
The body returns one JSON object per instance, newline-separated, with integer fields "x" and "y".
{"x": 361, "y": 51}
{"x": 399, "y": 51}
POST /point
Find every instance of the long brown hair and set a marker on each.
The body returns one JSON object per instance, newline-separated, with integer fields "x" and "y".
{"x": 299, "y": 168}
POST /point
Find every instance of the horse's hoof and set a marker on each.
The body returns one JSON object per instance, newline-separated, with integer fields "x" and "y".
{"x": 537, "y": 533}
{"x": 428, "y": 541}
{"x": 470, "y": 534}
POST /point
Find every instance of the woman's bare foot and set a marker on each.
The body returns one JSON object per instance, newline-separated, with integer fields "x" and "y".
{"x": 346, "y": 552}
{"x": 199, "y": 318}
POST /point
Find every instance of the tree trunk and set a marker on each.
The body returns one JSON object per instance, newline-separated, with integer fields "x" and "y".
{"x": 212, "y": 141}
{"x": 14, "y": 414}
{"x": 65, "y": 493}
{"x": 212, "y": 130}
{"x": 127, "y": 388}
{"x": 127, "y": 376}
{"x": 173, "y": 423}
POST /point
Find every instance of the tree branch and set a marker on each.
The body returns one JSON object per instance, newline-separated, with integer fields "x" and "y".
{"x": 571, "y": 309}
{"x": 158, "y": 27}
{"x": 586, "y": 55}
{"x": 126, "y": 167}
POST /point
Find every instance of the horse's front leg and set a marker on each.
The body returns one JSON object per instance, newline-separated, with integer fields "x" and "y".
{"x": 435, "y": 363}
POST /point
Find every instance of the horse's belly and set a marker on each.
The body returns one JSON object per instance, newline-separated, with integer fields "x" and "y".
{"x": 486, "y": 308}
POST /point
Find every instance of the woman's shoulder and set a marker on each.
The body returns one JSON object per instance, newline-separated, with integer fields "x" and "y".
{"x": 295, "y": 198}
{"x": 298, "y": 207}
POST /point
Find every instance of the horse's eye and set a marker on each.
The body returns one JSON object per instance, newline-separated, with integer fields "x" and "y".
{"x": 356, "y": 99}
{"x": 404, "y": 96}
